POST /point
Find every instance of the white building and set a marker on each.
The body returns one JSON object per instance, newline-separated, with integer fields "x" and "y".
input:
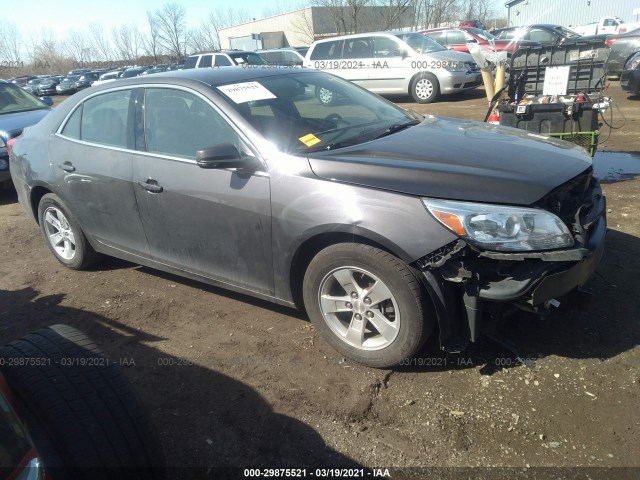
{"x": 302, "y": 27}
{"x": 569, "y": 12}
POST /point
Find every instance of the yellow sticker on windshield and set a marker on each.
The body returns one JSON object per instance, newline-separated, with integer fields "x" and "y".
{"x": 309, "y": 140}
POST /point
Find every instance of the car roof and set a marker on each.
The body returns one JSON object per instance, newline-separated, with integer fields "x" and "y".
{"x": 210, "y": 76}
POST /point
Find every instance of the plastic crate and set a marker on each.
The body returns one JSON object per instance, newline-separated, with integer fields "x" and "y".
{"x": 587, "y": 140}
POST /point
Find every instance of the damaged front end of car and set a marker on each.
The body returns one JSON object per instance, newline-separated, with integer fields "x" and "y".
{"x": 512, "y": 258}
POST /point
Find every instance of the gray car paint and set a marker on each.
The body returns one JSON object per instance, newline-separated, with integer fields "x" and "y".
{"x": 303, "y": 206}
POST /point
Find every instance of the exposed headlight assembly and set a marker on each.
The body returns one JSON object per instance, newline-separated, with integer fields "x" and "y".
{"x": 633, "y": 63}
{"x": 501, "y": 228}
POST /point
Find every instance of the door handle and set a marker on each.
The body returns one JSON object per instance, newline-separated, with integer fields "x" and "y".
{"x": 151, "y": 186}
{"x": 67, "y": 167}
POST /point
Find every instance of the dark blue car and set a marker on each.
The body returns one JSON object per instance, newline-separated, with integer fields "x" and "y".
{"x": 18, "y": 109}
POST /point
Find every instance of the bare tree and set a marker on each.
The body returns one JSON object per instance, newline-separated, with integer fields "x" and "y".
{"x": 100, "y": 41}
{"x": 151, "y": 40}
{"x": 209, "y": 31}
{"x": 77, "y": 45}
{"x": 10, "y": 43}
{"x": 128, "y": 42}
{"x": 172, "y": 29}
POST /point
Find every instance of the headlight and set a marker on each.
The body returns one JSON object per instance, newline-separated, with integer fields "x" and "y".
{"x": 501, "y": 228}
{"x": 633, "y": 63}
{"x": 456, "y": 66}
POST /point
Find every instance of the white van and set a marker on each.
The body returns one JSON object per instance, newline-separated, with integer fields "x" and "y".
{"x": 394, "y": 63}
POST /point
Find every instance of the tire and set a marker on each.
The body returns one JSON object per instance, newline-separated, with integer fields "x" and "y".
{"x": 81, "y": 413}
{"x": 325, "y": 96}
{"x": 425, "y": 88}
{"x": 365, "y": 329}
{"x": 63, "y": 234}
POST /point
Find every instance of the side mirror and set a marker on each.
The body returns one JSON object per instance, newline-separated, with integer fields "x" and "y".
{"x": 47, "y": 100}
{"x": 223, "y": 156}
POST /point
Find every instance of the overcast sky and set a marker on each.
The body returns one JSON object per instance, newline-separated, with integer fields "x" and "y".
{"x": 61, "y": 15}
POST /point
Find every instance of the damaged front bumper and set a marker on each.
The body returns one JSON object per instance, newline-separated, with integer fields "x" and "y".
{"x": 466, "y": 283}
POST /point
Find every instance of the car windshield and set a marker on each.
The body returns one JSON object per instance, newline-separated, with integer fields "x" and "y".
{"x": 421, "y": 43}
{"x": 567, "y": 32}
{"x": 248, "y": 57}
{"x": 14, "y": 99}
{"x": 305, "y": 112}
{"x": 481, "y": 33}
{"x": 72, "y": 78}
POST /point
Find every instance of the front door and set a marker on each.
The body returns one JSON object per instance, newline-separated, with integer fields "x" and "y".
{"x": 215, "y": 223}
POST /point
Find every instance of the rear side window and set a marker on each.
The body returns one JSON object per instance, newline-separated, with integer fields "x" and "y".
{"x": 205, "y": 62}
{"x": 191, "y": 62}
{"x": 327, "y": 51}
{"x": 72, "y": 128}
{"x": 358, "y": 48}
{"x": 384, "y": 47}
{"x": 104, "y": 119}
{"x": 455, "y": 37}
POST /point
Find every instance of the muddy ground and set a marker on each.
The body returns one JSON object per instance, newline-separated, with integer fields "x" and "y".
{"x": 231, "y": 381}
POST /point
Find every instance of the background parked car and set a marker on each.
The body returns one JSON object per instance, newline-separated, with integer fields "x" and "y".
{"x": 133, "y": 72}
{"x": 544, "y": 33}
{"x": 109, "y": 76}
{"x": 458, "y": 38}
{"x": 394, "y": 63}
{"x": 33, "y": 84}
{"x": 86, "y": 80}
{"x": 18, "y": 109}
{"x": 282, "y": 56}
{"x": 630, "y": 78}
{"x": 621, "y": 49}
{"x": 48, "y": 86}
{"x": 223, "y": 59}
{"x": 22, "y": 81}
{"x": 68, "y": 85}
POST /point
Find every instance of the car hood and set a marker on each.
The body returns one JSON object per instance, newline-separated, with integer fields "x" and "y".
{"x": 458, "y": 160}
{"x": 12, "y": 124}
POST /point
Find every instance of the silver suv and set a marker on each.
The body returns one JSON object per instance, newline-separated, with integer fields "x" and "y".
{"x": 394, "y": 63}
{"x": 223, "y": 59}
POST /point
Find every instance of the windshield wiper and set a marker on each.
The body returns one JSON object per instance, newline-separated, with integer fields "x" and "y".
{"x": 397, "y": 127}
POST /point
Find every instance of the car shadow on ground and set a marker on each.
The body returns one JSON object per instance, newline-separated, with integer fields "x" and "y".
{"x": 239, "y": 429}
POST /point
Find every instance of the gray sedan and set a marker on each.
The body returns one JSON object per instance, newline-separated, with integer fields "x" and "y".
{"x": 382, "y": 224}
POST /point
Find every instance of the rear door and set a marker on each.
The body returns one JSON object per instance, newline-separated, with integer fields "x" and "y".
{"x": 91, "y": 159}
{"x": 215, "y": 223}
{"x": 388, "y": 69}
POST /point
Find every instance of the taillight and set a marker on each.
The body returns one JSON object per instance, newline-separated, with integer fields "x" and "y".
{"x": 10, "y": 147}
{"x": 610, "y": 41}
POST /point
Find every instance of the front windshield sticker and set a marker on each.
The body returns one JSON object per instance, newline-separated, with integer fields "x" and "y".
{"x": 309, "y": 140}
{"x": 246, "y": 92}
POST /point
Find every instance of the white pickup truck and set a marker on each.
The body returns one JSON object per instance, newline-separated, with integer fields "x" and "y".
{"x": 606, "y": 25}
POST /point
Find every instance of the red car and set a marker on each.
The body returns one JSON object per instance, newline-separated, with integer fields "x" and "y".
{"x": 458, "y": 38}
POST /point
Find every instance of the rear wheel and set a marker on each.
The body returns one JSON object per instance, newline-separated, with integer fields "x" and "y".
{"x": 81, "y": 413}
{"x": 63, "y": 234}
{"x": 425, "y": 88}
{"x": 367, "y": 304}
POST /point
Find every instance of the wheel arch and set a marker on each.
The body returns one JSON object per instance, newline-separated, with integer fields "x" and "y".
{"x": 35, "y": 196}
{"x": 318, "y": 240}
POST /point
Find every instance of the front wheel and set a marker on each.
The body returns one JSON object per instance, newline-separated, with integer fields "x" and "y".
{"x": 425, "y": 88}
{"x": 367, "y": 304}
